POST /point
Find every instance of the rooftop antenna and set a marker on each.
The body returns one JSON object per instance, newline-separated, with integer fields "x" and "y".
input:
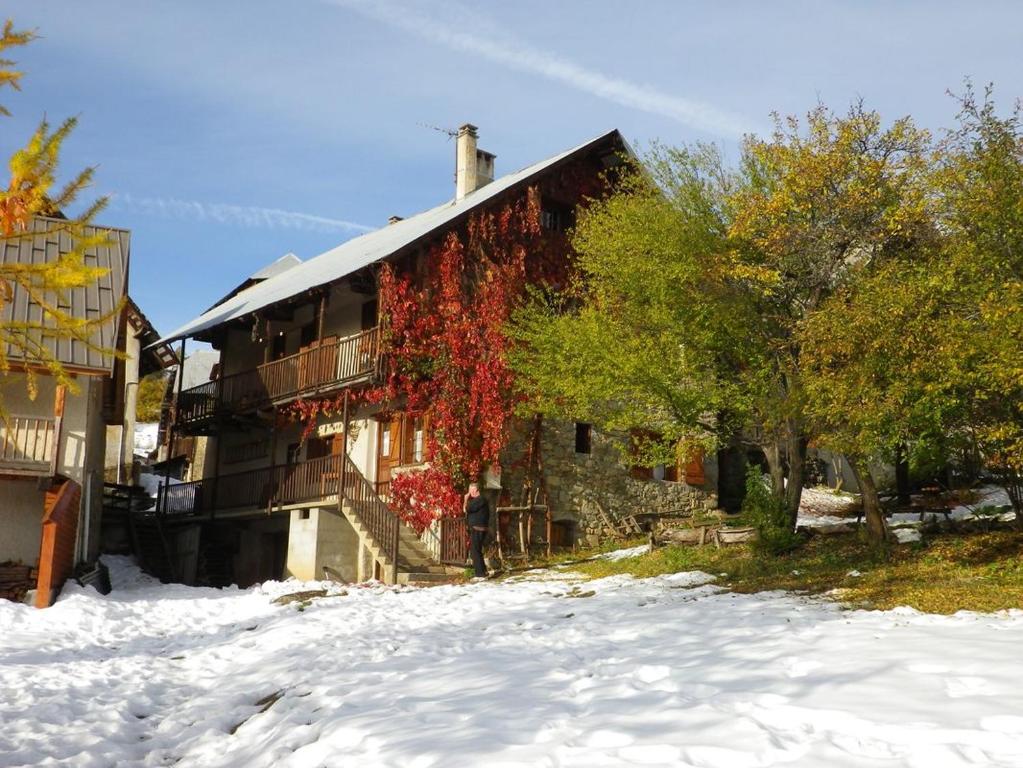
{"x": 450, "y": 134}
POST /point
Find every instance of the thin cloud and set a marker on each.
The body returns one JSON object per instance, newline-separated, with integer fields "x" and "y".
{"x": 525, "y": 58}
{"x": 247, "y": 216}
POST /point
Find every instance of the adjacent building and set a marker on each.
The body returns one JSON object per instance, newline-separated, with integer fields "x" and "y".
{"x": 57, "y": 442}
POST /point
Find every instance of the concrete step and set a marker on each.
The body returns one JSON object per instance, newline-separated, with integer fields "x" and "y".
{"x": 405, "y": 577}
{"x": 415, "y": 563}
{"x": 421, "y": 568}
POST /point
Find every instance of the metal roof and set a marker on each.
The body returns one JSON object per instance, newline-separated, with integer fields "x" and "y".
{"x": 51, "y": 241}
{"x": 284, "y": 263}
{"x": 367, "y": 249}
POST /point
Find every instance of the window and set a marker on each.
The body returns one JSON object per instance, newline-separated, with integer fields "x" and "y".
{"x": 668, "y": 472}
{"x": 555, "y": 218}
{"x": 385, "y": 440}
{"x": 303, "y": 514}
{"x": 292, "y": 454}
{"x": 583, "y": 437}
{"x": 414, "y": 436}
{"x": 417, "y": 443}
{"x": 317, "y": 448}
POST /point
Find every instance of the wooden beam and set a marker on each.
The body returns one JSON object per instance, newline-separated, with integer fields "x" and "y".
{"x": 59, "y": 400}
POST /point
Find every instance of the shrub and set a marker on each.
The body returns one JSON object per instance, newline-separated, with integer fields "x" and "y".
{"x": 766, "y": 513}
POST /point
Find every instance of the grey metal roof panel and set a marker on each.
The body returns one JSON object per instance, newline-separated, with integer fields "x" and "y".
{"x": 283, "y": 264}
{"x": 49, "y": 242}
{"x": 361, "y": 251}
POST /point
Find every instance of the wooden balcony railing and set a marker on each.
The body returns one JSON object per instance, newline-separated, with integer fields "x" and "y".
{"x": 330, "y": 363}
{"x": 27, "y": 443}
{"x": 326, "y": 479}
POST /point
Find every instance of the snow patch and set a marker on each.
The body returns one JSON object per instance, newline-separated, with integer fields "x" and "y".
{"x": 624, "y": 554}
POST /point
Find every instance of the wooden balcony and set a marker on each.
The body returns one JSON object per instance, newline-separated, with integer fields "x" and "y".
{"x": 331, "y": 480}
{"x": 331, "y": 364}
{"x": 27, "y": 445}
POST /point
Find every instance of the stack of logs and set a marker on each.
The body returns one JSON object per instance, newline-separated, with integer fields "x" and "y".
{"x": 16, "y": 579}
{"x": 700, "y": 535}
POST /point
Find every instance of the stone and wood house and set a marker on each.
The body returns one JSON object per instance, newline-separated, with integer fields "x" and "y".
{"x": 280, "y": 499}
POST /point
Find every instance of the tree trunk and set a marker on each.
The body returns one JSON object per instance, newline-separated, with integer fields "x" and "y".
{"x": 902, "y": 476}
{"x": 794, "y": 481}
{"x": 877, "y": 526}
{"x": 1012, "y": 481}
{"x": 772, "y": 451}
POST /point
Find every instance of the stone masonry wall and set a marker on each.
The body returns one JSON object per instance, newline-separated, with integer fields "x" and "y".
{"x": 576, "y": 480}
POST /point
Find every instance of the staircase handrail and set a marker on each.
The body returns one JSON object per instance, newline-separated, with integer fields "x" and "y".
{"x": 378, "y": 518}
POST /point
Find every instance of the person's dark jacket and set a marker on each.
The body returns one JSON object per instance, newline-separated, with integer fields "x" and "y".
{"x": 477, "y": 513}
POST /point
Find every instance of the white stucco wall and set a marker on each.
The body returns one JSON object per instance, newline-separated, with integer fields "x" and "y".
{"x": 21, "y": 517}
{"x": 80, "y": 453}
{"x": 318, "y": 538}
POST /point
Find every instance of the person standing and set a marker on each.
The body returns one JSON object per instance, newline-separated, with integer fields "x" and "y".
{"x": 477, "y": 519}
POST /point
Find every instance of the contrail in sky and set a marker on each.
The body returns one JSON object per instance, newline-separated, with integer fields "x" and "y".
{"x": 247, "y": 216}
{"x": 526, "y": 58}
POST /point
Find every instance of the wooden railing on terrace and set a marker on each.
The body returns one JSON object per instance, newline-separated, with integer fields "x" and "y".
{"x": 329, "y": 478}
{"x": 454, "y": 541}
{"x": 331, "y": 363}
{"x": 27, "y": 443}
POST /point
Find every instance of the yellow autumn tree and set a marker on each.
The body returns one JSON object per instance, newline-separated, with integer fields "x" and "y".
{"x": 33, "y": 205}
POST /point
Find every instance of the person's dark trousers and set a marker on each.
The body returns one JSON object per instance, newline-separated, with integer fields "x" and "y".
{"x": 476, "y": 547}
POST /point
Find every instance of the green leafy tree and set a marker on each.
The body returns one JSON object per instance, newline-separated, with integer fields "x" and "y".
{"x": 152, "y": 390}
{"x": 32, "y": 192}
{"x": 929, "y": 353}
{"x": 980, "y": 178}
{"x": 695, "y": 279}
{"x": 648, "y": 334}
{"x": 820, "y": 206}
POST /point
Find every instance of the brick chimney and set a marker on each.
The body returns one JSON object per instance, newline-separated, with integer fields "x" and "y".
{"x": 473, "y": 167}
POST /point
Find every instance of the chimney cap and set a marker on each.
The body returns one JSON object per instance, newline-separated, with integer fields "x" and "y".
{"x": 467, "y": 128}
{"x": 394, "y": 219}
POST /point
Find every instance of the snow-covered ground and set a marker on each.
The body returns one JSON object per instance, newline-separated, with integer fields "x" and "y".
{"x": 821, "y": 508}
{"x": 146, "y": 438}
{"x": 551, "y": 671}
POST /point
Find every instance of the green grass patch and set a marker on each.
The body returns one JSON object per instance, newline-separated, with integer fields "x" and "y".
{"x": 950, "y": 572}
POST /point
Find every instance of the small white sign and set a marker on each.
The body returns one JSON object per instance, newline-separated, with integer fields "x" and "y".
{"x": 331, "y": 428}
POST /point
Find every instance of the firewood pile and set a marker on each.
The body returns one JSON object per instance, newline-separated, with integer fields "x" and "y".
{"x": 16, "y": 579}
{"x": 690, "y": 534}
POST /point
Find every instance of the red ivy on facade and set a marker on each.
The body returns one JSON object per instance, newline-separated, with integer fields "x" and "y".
{"x": 418, "y": 496}
{"x": 446, "y": 348}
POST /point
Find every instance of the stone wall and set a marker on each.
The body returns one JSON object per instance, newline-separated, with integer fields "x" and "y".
{"x": 576, "y": 480}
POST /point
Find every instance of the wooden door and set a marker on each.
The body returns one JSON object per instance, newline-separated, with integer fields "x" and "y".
{"x": 388, "y": 449}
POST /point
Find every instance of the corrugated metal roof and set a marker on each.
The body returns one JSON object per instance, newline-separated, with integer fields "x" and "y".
{"x": 366, "y": 249}
{"x": 91, "y": 302}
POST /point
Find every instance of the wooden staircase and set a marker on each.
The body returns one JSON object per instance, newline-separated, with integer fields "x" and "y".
{"x": 151, "y": 547}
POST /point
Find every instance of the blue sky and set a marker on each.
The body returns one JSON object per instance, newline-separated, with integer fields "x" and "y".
{"x": 230, "y": 132}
